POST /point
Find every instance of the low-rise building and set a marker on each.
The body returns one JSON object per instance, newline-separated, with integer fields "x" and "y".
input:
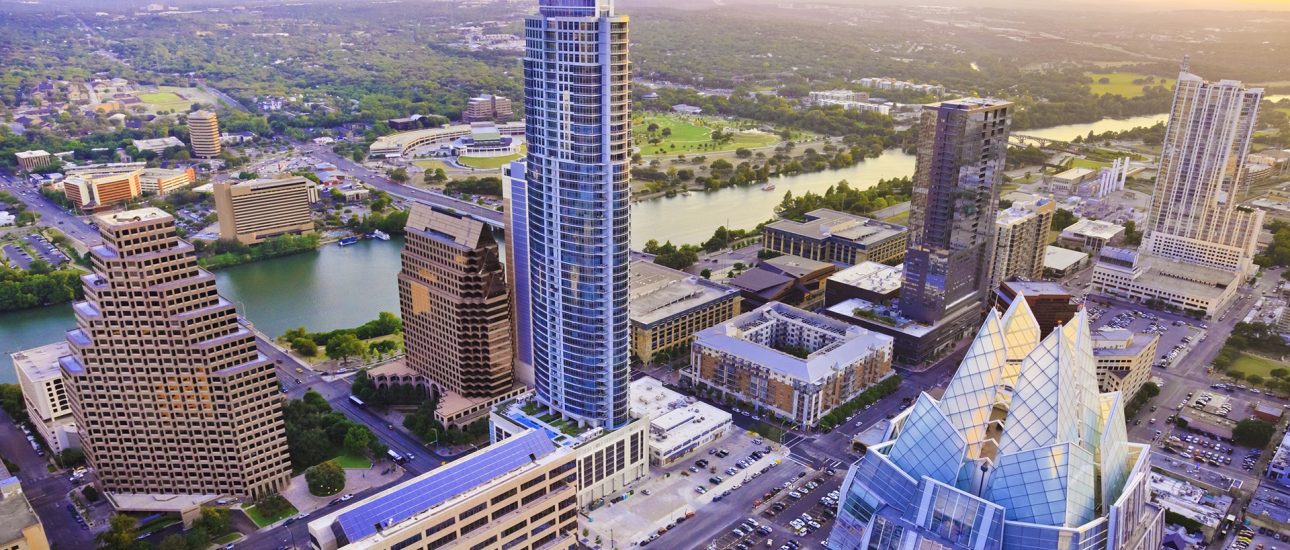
{"x": 31, "y": 160}
{"x": 20, "y": 527}
{"x": 608, "y": 460}
{"x": 1279, "y": 467}
{"x": 519, "y": 493}
{"x": 487, "y": 107}
{"x": 1147, "y": 278}
{"x": 678, "y": 425}
{"x": 831, "y": 236}
{"x": 791, "y": 280}
{"x": 684, "y": 109}
{"x": 163, "y": 181}
{"x": 871, "y": 281}
{"x": 1090, "y": 235}
{"x": 157, "y": 145}
{"x": 1067, "y": 183}
{"x": 1051, "y": 303}
{"x": 255, "y": 210}
{"x": 1123, "y": 359}
{"x": 791, "y": 363}
{"x": 667, "y": 307}
{"x": 45, "y": 395}
{"x": 1060, "y": 262}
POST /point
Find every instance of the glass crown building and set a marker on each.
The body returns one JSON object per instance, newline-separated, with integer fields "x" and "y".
{"x": 1020, "y": 452}
{"x": 570, "y": 211}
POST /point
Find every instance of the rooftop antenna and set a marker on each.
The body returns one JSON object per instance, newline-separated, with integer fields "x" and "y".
{"x": 1186, "y": 64}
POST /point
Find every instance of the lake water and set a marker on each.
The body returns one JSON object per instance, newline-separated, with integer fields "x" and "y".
{"x": 339, "y": 287}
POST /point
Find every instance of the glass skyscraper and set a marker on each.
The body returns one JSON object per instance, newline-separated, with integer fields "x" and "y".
{"x": 575, "y": 209}
{"x": 1021, "y": 452}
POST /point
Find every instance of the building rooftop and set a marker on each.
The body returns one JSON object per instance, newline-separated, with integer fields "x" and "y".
{"x": 872, "y": 276}
{"x": 264, "y": 182}
{"x": 31, "y": 154}
{"x": 1074, "y": 174}
{"x": 860, "y": 308}
{"x": 157, "y": 143}
{"x": 16, "y": 513}
{"x": 823, "y": 223}
{"x": 147, "y": 213}
{"x": 754, "y": 337}
{"x": 1038, "y": 288}
{"x": 674, "y": 418}
{"x": 1022, "y": 211}
{"x": 1094, "y": 228}
{"x": 797, "y": 266}
{"x": 758, "y": 280}
{"x": 1189, "y": 279}
{"x": 40, "y": 364}
{"x": 656, "y": 292}
{"x": 433, "y": 489}
{"x": 1115, "y": 342}
{"x": 1061, "y": 259}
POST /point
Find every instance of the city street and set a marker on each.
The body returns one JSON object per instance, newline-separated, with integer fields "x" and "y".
{"x": 48, "y": 213}
{"x": 45, "y": 490}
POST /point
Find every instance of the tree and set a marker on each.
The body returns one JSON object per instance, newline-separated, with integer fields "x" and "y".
{"x": 706, "y": 273}
{"x": 122, "y": 534}
{"x": 1279, "y": 372}
{"x": 399, "y": 174}
{"x": 91, "y": 494}
{"x": 345, "y": 346}
{"x": 272, "y": 505}
{"x": 1063, "y": 219}
{"x": 71, "y": 458}
{"x": 215, "y": 521}
{"x": 325, "y": 479}
{"x": 1255, "y": 434}
{"x": 173, "y": 542}
{"x": 305, "y": 347}
{"x": 357, "y": 440}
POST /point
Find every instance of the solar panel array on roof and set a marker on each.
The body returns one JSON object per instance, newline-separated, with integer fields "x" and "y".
{"x": 441, "y": 485}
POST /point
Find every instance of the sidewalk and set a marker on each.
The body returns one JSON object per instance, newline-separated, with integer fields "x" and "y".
{"x": 297, "y": 493}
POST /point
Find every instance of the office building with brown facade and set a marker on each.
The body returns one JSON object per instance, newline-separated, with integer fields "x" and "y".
{"x": 791, "y": 363}
{"x": 456, "y": 311}
{"x": 101, "y": 191}
{"x": 171, "y": 397}
{"x": 252, "y": 211}
{"x": 667, "y": 307}
{"x": 487, "y": 107}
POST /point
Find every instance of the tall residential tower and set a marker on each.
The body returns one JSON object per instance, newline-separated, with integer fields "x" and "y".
{"x": 577, "y": 112}
{"x": 168, "y": 390}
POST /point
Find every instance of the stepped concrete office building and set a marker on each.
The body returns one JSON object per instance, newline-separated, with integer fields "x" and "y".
{"x": 173, "y": 401}
{"x": 788, "y": 362}
{"x": 44, "y": 393}
{"x": 456, "y": 313}
{"x": 252, "y": 211}
{"x": 1199, "y": 241}
{"x": 577, "y": 110}
{"x": 517, "y": 494}
{"x": 962, "y": 145}
{"x": 1021, "y": 452}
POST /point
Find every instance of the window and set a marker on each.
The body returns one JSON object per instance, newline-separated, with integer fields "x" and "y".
{"x": 473, "y": 510}
{"x": 505, "y": 495}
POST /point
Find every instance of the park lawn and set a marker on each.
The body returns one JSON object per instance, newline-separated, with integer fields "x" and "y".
{"x": 430, "y": 165}
{"x": 1086, "y": 163}
{"x": 261, "y": 521}
{"x": 691, "y": 137}
{"x": 227, "y": 538}
{"x": 901, "y": 218}
{"x": 1248, "y": 364}
{"x": 351, "y": 462}
{"x": 488, "y": 162}
{"x": 1121, "y": 84}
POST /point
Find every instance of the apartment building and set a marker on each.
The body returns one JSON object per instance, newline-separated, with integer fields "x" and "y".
{"x": 456, "y": 311}
{"x": 168, "y": 391}
{"x": 45, "y": 395}
{"x": 203, "y": 133}
{"x": 487, "y": 107}
{"x": 96, "y": 192}
{"x": 667, "y": 307}
{"x": 1021, "y": 240}
{"x": 831, "y": 236}
{"x": 1123, "y": 359}
{"x": 791, "y": 363}
{"x": 31, "y": 160}
{"x": 255, "y": 210}
{"x": 520, "y": 493}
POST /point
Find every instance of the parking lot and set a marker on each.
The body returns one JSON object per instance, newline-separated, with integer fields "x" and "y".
{"x": 684, "y": 491}
{"x": 32, "y": 247}
{"x": 1177, "y": 336}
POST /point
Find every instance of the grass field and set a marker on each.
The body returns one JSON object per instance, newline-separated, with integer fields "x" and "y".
{"x": 176, "y": 99}
{"x": 901, "y": 218}
{"x": 430, "y": 165}
{"x": 261, "y": 521}
{"x": 487, "y": 162}
{"x": 1086, "y": 163}
{"x": 227, "y": 538}
{"x": 351, "y": 462}
{"x": 1121, "y": 84}
{"x": 690, "y": 135}
{"x": 1248, "y": 364}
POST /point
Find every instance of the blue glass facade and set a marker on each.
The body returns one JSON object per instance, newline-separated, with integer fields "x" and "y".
{"x": 578, "y": 128}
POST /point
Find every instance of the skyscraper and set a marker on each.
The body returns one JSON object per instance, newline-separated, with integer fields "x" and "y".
{"x": 1195, "y": 214}
{"x": 578, "y": 128}
{"x": 962, "y": 145}
{"x": 203, "y": 133}
{"x": 1021, "y": 451}
{"x": 1200, "y": 242}
{"x": 456, "y": 309}
{"x": 166, "y": 385}
{"x": 1021, "y": 239}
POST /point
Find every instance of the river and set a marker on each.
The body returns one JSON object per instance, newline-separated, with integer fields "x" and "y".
{"x": 339, "y": 287}
{"x": 1068, "y": 132}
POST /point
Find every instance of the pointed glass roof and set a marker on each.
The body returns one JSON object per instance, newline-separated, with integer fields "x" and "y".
{"x": 970, "y": 396}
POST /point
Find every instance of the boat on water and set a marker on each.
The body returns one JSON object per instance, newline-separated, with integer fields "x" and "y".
{"x": 378, "y": 234}
{"x": 348, "y": 241}
{"x": 768, "y": 187}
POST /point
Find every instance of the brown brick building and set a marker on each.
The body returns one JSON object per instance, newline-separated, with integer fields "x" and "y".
{"x": 167, "y": 388}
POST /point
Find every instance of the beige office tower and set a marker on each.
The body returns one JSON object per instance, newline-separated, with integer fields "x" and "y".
{"x": 456, "y": 311}
{"x": 203, "y": 134}
{"x": 1195, "y": 213}
{"x": 252, "y": 211}
{"x": 167, "y": 388}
